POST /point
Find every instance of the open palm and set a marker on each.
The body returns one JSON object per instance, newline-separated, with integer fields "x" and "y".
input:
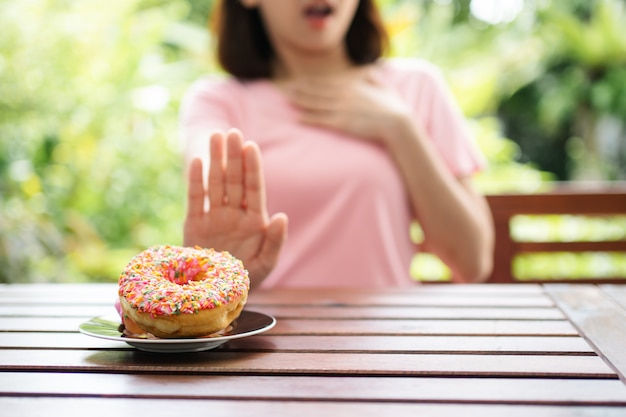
{"x": 235, "y": 218}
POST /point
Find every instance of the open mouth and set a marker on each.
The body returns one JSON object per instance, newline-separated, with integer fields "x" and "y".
{"x": 319, "y": 10}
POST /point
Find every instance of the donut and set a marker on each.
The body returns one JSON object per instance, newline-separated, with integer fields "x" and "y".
{"x": 178, "y": 292}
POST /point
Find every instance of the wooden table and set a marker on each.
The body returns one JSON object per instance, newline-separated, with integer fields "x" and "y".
{"x": 433, "y": 350}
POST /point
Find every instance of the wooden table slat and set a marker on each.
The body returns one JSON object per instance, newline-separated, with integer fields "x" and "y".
{"x": 106, "y": 407}
{"x": 410, "y": 312}
{"x": 66, "y": 311}
{"x": 351, "y": 327}
{"x": 483, "y": 390}
{"x": 425, "y": 344}
{"x": 213, "y": 362}
{"x": 425, "y": 327}
{"x": 45, "y": 290}
{"x": 317, "y": 299}
{"x": 304, "y": 312}
{"x": 408, "y": 299}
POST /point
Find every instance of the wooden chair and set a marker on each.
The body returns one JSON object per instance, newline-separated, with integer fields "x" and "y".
{"x": 608, "y": 199}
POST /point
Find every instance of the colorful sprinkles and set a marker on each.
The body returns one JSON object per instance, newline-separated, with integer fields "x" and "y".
{"x": 169, "y": 280}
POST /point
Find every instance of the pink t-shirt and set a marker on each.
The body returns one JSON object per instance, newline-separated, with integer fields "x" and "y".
{"x": 349, "y": 214}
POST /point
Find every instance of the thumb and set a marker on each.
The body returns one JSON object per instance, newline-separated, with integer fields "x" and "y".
{"x": 276, "y": 231}
{"x": 275, "y": 237}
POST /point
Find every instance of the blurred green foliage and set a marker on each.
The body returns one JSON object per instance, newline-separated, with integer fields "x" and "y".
{"x": 577, "y": 128}
{"x": 89, "y": 155}
{"x": 90, "y": 161}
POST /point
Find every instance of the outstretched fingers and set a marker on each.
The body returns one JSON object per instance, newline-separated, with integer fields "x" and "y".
{"x": 195, "y": 192}
{"x": 234, "y": 181}
{"x": 226, "y": 172}
{"x": 253, "y": 180}
{"x": 216, "y": 170}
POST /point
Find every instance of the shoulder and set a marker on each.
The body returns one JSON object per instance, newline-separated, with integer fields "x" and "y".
{"x": 213, "y": 93}
{"x": 224, "y": 90}
{"x": 410, "y": 68}
{"x": 213, "y": 85}
{"x": 416, "y": 79}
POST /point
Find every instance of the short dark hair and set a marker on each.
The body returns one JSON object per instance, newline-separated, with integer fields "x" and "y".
{"x": 245, "y": 51}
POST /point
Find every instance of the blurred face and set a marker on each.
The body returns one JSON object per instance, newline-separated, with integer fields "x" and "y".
{"x": 306, "y": 25}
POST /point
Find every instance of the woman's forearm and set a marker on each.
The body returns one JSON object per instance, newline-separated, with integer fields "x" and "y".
{"x": 454, "y": 217}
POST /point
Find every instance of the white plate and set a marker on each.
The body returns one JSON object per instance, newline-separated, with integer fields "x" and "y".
{"x": 108, "y": 327}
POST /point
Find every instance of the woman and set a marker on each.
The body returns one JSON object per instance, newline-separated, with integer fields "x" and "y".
{"x": 354, "y": 148}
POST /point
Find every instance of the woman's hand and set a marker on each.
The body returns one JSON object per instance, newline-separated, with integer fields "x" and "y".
{"x": 360, "y": 106}
{"x": 236, "y": 218}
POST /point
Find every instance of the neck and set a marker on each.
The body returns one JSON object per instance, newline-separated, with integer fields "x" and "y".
{"x": 290, "y": 66}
